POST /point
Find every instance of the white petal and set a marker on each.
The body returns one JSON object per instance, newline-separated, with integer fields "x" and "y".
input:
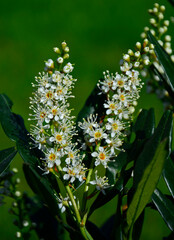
{"x": 94, "y": 154}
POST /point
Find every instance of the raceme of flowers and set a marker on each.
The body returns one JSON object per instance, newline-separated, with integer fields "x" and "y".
{"x": 159, "y": 27}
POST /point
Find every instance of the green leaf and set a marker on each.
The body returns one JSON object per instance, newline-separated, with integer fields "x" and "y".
{"x": 94, "y": 104}
{"x": 164, "y": 60}
{"x": 164, "y": 130}
{"x": 172, "y": 2}
{"x": 148, "y": 182}
{"x": 138, "y": 226}
{"x": 6, "y": 156}
{"x": 145, "y": 124}
{"x": 168, "y": 174}
{"x": 149, "y": 166}
{"x": 12, "y": 124}
{"x": 115, "y": 166}
{"x": 165, "y": 208}
{"x": 40, "y": 185}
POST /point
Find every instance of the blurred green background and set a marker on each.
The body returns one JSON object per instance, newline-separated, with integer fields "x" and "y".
{"x": 98, "y": 32}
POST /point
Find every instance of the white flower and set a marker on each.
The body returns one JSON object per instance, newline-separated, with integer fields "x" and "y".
{"x": 59, "y": 138}
{"x": 100, "y": 182}
{"x": 101, "y": 156}
{"x": 123, "y": 97}
{"x": 115, "y": 126}
{"x": 68, "y": 68}
{"x": 126, "y": 67}
{"x": 89, "y": 124}
{"x": 52, "y": 157}
{"x": 60, "y": 60}
{"x": 115, "y": 143}
{"x": 97, "y": 135}
{"x": 121, "y": 82}
{"x": 49, "y": 63}
{"x": 73, "y": 172}
{"x": 57, "y": 77}
{"x": 112, "y": 106}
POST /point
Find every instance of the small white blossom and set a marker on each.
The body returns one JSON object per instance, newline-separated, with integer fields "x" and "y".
{"x": 101, "y": 157}
{"x": 101, "y": 183}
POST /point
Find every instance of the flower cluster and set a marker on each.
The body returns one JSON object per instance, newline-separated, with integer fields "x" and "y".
{"x": 54, "y": 128}
{"x": 122, "y": 91}
{"x": 158, "y": 27}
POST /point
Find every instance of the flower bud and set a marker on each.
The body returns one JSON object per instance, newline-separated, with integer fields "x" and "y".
{"x": 137, "y": 54}
{"x": 166, "y": 23}
{"x": 130, "y": 52}
{"x": 172, "y": 58}
{"x": 25, "y": 223}
{"x": 162, "y": 8}
{"x": 15, "y": 170}
{"x": 66, "y": 49}
{"x": 66, "y": 56}
{"x": 126, "y": 57}
{"x": 18, "y": 234}
{"x": 17, "y": 193}
{"x": 146, "y": 61}
{"x": 138, "y": 45}
{"x": 167, "y": 38}
{"x": 160, "y": 16}
{"x": 57, "y": 50}
{"x": 64, "y": 44}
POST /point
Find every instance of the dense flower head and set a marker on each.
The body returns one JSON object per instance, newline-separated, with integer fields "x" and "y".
{"x": 54, "y": 128}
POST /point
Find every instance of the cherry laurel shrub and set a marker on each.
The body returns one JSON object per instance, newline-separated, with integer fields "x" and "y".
{"x": 76, "y": 166}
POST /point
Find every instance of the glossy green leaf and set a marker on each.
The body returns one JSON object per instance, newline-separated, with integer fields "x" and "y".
{"x": 149, "y": 166}
{"x": 145, "y": 124}
{"x": 168, "y": 174}
{"x": 165, "y": 208}
{"x": 115, "y": 166}
{"x": 164, "y": 60}
{"x": 93, "y": 104}
{"x": 148, "y": 182}
{"x": 12, "y": 124}
{"x": 164, "y": 130}
{"x": 40, "y": 185}
{"x": 6, "y": 157}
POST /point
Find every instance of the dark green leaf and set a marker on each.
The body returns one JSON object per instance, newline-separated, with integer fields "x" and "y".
{"x": 94, "y": 231}
{"x": 148, "y": 182}
{"x": 164, "y": 130}
{"x": 145, "y": 124}
{"x": 115, "y": 166}
{"x": 12, "y": 124}
{"x": 172, "y": 2}
{"x": 6, "y": 156}
{"x": 168, "y": 174}
{"x": 164, "y": 60}
{"x": 165, "y": 208}
{"x": 94, "y": 104}
{"x": 138, "y": 226}
{"x": 40, "y": 185}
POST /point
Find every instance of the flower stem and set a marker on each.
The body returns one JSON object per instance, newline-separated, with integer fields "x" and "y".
{"x": 85, "y": 194}
{"x": 83, "y": 231}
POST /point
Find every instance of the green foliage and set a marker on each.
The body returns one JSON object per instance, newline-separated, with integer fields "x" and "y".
{"x": 165, "y": 207}
{"x": 6, "y": 157}
{"x": 165, "y": 61}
